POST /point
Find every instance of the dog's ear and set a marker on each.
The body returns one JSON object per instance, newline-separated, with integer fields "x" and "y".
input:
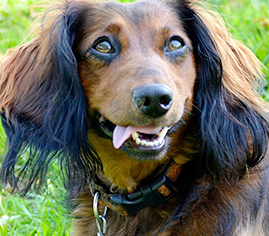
{"x": 43, "y": 106}
{"x": 231, "y": 118}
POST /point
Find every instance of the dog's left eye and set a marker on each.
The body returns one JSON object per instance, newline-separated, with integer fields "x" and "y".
{"x": 174, "y": 44}
{"x": 175, "y": 47}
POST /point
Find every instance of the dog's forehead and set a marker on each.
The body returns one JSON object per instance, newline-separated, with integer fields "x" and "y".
{"x": 137, "y": 14}
{"x": 139, "y": 11}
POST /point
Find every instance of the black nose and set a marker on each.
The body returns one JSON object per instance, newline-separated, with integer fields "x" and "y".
{"x": 153, "y": 100}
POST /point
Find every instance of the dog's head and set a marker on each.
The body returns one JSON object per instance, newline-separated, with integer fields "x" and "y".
{"x": 127, "y": 87}
{"x": 138, "y": 73}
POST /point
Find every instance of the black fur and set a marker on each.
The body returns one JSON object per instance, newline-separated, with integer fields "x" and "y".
{"x": 63, "y": 128}
{"x": 224, "y": 127}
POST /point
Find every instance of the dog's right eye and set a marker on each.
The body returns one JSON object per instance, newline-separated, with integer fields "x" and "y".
{"x": 103, "y": 47}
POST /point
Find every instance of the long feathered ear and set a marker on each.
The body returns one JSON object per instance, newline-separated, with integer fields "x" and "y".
{"x": 43, "y": 106}
{"x": 231, "y": 118}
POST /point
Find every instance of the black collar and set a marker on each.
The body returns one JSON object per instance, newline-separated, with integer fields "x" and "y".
{"x": 157, "y": 192}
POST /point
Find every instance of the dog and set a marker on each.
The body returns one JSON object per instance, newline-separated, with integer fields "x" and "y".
{"x": 151, "y": 111}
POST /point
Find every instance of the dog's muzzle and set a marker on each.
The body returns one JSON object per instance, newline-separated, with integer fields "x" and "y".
{"x": 143, "y": 142}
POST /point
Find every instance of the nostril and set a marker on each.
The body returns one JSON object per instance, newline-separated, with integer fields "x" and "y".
{"x": 147, "y": 102}
{"x": 141, "y": 102}
{"x": 165, "y": 100}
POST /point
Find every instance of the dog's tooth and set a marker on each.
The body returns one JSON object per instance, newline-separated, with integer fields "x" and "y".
{"x": 101, "y": 119}
{"x": 143, "y": 142}
{"x": 163, "y": 132}
{"x": 138, "y": 141}
{"x": 152, "y": 144}
{"x": 148, "y": 144}
{"x": 157, "y": 142}
{"x": 135, "y": 135}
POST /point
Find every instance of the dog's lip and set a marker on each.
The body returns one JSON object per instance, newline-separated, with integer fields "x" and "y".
{"x": 106, "y": 126}
{"x": 144, "y": 137}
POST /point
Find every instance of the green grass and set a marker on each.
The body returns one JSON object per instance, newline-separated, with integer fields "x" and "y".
{"x": 33, "y": 215}
{"x": 15, "y": 17}
{"x": 248, "y": 22}
{"x": 45, "y": 214}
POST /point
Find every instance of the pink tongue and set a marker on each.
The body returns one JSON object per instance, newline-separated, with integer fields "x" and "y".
{"x": 122, "y": 133}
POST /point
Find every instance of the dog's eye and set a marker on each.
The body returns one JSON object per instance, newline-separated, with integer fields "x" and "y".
{"x": 103, "y": 47}
{"x": 174, "y": 45}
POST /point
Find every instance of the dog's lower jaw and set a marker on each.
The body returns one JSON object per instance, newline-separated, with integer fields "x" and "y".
{"x": 146, "y": 154}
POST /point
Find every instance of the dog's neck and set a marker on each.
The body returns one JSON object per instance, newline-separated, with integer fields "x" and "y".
{"x": 153, "y": 191}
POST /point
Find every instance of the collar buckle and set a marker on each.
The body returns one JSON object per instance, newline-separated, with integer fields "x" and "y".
{"x": 157, "y": 192}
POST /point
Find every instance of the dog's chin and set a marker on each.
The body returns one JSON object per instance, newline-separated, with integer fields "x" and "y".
{"x": 151, "y": 145}
{"x": 144, "y": 153}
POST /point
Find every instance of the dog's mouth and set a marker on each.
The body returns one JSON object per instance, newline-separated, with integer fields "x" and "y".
{"x": 136, "y": 141}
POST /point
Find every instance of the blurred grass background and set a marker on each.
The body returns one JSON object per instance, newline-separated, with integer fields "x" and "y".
{"x": 44, "y": 214}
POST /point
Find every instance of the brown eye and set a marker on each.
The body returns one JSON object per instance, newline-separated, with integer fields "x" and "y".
{"x": 174, "y": 45}
{"x": 103, "y": 47}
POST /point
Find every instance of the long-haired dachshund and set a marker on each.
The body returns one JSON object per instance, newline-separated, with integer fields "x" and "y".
{"x": 151, "y": 109}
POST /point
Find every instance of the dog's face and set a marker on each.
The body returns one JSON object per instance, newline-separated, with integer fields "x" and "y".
{"x": 138, "y": 74}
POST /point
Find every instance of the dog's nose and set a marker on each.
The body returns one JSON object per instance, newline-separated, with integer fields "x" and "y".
{"x": 153, "y": 100}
